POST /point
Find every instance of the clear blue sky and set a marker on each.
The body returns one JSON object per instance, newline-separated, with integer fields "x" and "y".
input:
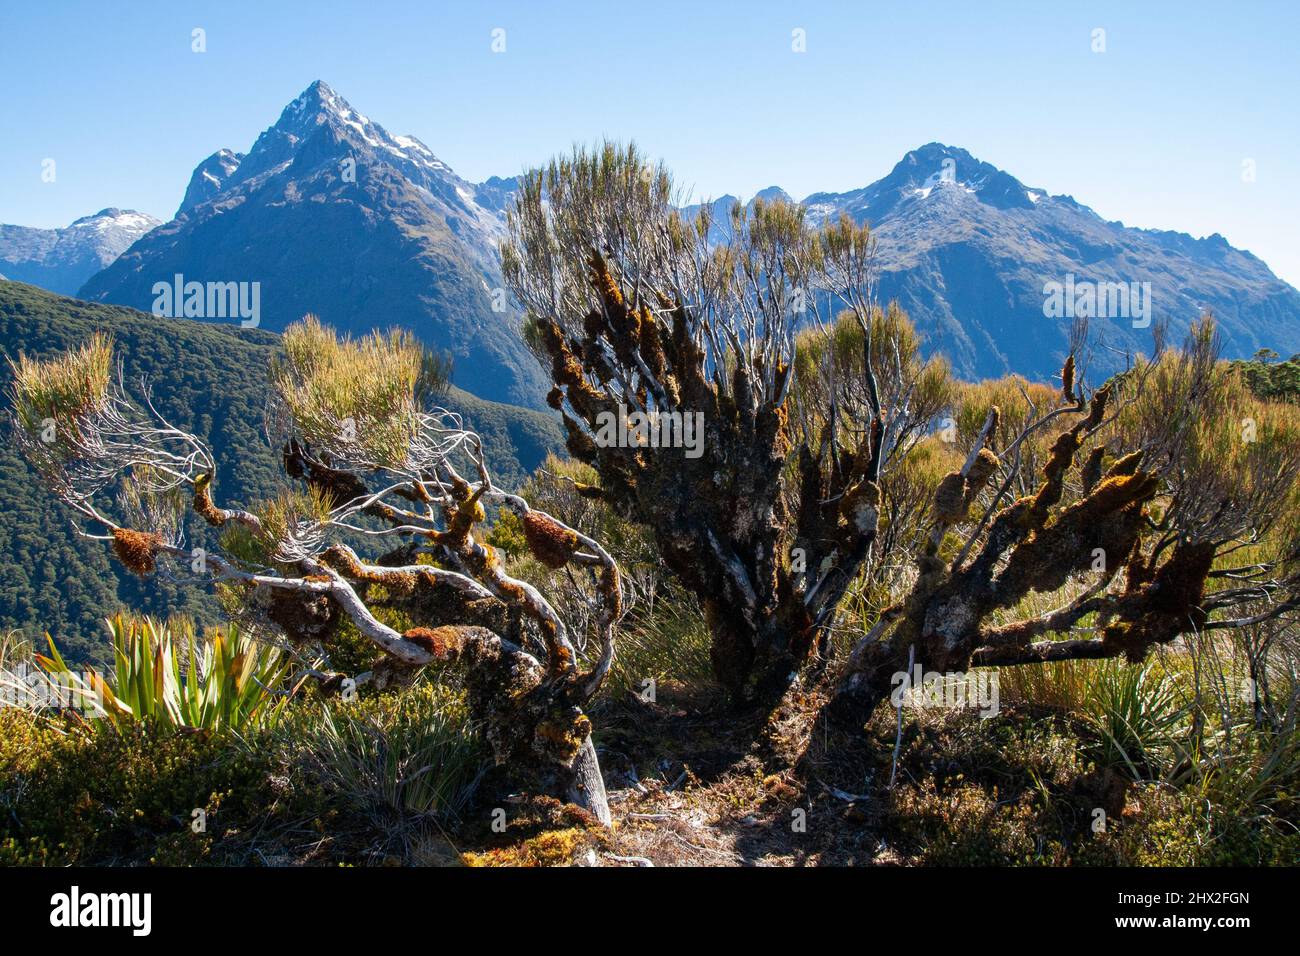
{"x": 1152, "y": 132}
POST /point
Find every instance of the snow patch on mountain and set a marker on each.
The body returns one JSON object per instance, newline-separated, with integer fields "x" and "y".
{"x": 62, "y": 259}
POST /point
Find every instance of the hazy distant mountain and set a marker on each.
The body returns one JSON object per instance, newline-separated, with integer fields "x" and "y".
{"x": 967, "y": 249}
{"x": 62, "y": 259}
{"x": 329, "y": 213}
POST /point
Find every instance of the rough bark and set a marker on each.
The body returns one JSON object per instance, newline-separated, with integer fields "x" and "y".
{"x": 721, "y": 520}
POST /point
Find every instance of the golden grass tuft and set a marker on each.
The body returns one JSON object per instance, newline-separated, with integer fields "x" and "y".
{"x": 365, "y": 393}
{"x": 63, "y": 388}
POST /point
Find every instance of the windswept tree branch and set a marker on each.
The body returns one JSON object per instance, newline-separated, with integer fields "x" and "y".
{"x": 1165, "y": 487}
{"x": 357, "y": 417}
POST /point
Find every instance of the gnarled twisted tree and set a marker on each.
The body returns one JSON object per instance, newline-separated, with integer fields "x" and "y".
{"x": 643, "y": 310}
{"x": 637, "y": 304}
{"x": 374, "y": 461}
{"x": 1164, "y": 498}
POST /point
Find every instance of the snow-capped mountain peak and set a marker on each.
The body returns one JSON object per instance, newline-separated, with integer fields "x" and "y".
{"x": 319, "y": 105}
{"x": 320, "y": 116}
{"x": 128, "y": 221}
{"x": 62, "y": 259}
{"x": 968, "y": 249}
{"x": 336, "y": 216}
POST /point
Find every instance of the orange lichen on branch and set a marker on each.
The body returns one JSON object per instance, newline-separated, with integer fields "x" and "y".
{"x": 1126, "y": 465}
{"x": 1060, "y": 459}
{"x": 949, "y": 498}
{"x": 566, "y": 369}
{"x": 956, "y": 492}
{"x": 343, "y": 561}
{"x": 1167, "y": 605}
{"x": 136, "y": 549}
{"x": 651, "y": 348}
{"x": 611, "y": 587}
{"x": 560, "y": 655}
{"x": 444, "y": 643}
{"x": 1120, "y": 491}
{"x": 981, "y": 470}
{"x": 461, "y": 517}
{"x": 1097, "y": 407}
{"x": 996, "y": 414}
{"x": 1108, "y": 519}
{"x": 603, "y": 281}
{"x": 203, "y": 505}
{"x": 550, "y": 542}
{"x": 564, "y": 733}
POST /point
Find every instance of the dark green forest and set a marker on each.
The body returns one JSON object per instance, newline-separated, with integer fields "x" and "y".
{"x": 1272, "y": 379}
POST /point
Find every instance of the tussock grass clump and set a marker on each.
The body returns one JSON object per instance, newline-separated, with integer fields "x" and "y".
{"x": 412, "y": 753}
{"x": 57, "y": 405}
{"x": 361, "y": 398}
{"x": 667, "y": 643}
{"x": 64, "y": 388}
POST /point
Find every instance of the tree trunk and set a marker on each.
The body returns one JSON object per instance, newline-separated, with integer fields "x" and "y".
{"x": 585, "y": 786}
{"x": 868, "y": 681}
{"x": 756, "y": 665}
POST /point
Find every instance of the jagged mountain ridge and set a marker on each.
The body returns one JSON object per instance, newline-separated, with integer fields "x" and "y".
{"x": 331, "y": 214}
{"x": 210, "y": 177}
{"x": 967, "y": 249}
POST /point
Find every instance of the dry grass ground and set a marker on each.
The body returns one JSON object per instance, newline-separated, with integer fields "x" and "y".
{"x": 695, "y": 784}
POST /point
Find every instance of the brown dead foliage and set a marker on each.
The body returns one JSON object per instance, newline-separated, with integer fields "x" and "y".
{"x": 136, "y": 550}
{"x": 551, "y": 543}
